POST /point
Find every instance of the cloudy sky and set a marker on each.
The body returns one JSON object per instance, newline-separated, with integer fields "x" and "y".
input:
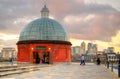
{"x": 96, "y": 21}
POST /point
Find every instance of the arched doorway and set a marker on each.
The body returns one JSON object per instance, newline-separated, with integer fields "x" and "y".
{"x": 42, "y": 57}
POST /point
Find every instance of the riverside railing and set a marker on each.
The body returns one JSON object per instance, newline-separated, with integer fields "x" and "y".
{"x": 113, "y": 64}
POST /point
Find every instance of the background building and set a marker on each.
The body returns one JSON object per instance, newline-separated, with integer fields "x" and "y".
{"x": 76, "y": 50}
{"x": 0, "y": 54}
{"x": 91, "y": 49}
{"x": 95, "y": 49}
{"x": 8, "y": 53}
{"x": 83, "y": 48}
{"x": 109, "y": 50}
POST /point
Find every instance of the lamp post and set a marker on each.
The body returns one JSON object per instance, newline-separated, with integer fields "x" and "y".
{"x": 112, "y": 61}
{"x": 107, "y": 61}
{"x": 11, "y": 58}
{"x": 50, "y": 57}
{"x": 31, "y": 55}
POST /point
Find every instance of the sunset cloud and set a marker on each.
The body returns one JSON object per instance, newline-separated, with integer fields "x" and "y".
{"x": 83, "y": 19}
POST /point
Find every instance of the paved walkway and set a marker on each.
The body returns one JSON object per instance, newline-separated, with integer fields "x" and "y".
{"x": 65, "y": 71}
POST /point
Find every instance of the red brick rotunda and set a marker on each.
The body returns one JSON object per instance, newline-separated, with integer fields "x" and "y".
{"x": 44, "y": 40}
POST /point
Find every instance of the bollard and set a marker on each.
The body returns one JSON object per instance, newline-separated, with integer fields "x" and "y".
{"x": 119, "y": 68}
{"x": 112, "y": 67}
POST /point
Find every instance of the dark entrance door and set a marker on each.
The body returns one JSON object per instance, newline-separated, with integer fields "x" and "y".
{"x": 36, "y": 58}
{"x": 46, "y": 57}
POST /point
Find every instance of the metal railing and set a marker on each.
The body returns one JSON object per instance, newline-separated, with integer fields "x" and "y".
{"x": 113, "y": 65}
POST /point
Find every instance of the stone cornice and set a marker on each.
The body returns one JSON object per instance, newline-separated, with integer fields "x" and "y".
{"x": 44, "y": 42}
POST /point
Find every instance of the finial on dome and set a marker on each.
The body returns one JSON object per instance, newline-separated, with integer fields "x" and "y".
{"x": 45, "y": 11}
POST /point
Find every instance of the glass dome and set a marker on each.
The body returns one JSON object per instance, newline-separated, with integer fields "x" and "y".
{"x": 43, "y": 29}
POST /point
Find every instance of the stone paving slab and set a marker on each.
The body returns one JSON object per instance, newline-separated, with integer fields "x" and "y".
{"x": 65, "y": 71}
{"x": 11, "y": 70}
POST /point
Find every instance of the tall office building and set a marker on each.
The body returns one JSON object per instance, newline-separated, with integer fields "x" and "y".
{"x": 83, "y": 49}
{"x": 92, "y": 48}
{"x": 89, "y": 47}
{"x": 76, "y": 50}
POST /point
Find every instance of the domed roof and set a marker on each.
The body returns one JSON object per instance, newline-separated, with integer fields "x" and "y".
{"x": 43, "y": 29}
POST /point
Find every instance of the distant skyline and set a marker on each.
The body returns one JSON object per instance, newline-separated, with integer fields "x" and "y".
{"x": 96, "y": 21}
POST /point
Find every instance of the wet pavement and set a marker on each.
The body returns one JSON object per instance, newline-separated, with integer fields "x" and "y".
{"x": 66, "y": 71}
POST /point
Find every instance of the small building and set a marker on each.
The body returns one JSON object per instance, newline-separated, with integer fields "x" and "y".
{"x": 44, "y": 39}
{"x": 112, "y": 56}
{"x": 8, "y": 52}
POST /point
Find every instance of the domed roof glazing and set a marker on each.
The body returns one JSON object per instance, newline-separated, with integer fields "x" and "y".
{"x": 43, "y": 29}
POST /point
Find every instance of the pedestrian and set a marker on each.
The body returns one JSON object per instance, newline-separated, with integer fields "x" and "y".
{"x": 82, "y": 60}
{"x": 98, "y": 61}
{"x": 37, "y": 58}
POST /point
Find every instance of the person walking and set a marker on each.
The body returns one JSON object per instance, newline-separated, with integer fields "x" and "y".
{"x": 82, "y": 60}
{"x": 98, "y": 61}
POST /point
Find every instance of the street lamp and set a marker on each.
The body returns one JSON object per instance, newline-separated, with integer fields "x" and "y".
{"x": 32, "y": 48}
{"x": 31, "y": 54}
{"x": 11, "y": 59}
{"x": 112, "y": 61}
{"x": 49, "y": 49}
{"x": 50, "y": 56}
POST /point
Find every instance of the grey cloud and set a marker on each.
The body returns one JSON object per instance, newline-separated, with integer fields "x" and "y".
{"x": 69, "y": 7}
{"x": 102, "y": 27}
{"x": 8, "y": 43}
{"x": 105, "y": 24}
{"x": 10, "y": 11}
